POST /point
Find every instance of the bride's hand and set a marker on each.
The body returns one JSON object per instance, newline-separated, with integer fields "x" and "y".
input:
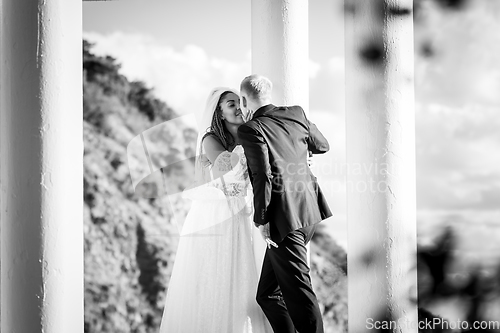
{"x": 205, "y": 162}
{"x": 247, "y": 115}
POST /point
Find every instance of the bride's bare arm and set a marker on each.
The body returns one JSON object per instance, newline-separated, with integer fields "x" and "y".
{"x": 213, "y": 148}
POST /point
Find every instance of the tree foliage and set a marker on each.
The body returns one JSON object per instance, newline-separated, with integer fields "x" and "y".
{"x": 108, "y": 91}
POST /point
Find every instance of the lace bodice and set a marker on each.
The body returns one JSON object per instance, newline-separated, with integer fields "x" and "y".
{"x": 233, "y": 165}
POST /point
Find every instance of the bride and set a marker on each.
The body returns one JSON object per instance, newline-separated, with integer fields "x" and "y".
{"x": 214, "y": 278}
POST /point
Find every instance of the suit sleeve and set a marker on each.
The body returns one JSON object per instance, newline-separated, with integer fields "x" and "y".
{"x": 256, "y": 151}
{"x": 316, "y": 142}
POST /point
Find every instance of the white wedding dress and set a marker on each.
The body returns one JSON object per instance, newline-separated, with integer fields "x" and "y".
{"x": 214, "y": 279}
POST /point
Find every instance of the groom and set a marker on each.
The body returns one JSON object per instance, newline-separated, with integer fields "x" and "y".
{"x": 287, "y": 201}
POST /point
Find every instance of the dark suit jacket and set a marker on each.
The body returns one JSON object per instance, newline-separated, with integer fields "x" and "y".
{"x": 286, "y": 193}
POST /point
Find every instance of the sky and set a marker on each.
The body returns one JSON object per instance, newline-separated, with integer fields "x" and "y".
{"x": 184, "y": 48}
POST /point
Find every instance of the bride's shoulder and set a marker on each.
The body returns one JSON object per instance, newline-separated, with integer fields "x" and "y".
{"x": 210, "y": 140}
{"x": 212, "y": 147}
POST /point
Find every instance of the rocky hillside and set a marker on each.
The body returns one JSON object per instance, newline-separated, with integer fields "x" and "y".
{"x": 130, "y": 236}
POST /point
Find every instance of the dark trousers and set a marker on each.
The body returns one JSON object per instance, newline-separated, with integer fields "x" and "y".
{"x": 285, "y": 293}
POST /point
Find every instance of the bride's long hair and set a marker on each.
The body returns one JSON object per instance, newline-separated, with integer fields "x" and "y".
{"x": 211, "y": 123}
{"x": 217, "y": 127}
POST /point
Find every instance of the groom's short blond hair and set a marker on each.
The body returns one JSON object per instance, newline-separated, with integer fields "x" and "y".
{"x": 257, "y": 87}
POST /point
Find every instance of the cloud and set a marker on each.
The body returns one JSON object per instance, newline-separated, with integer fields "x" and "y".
{"x": 182, "y": 78}
{"x": 457, "y": 114}
{"x": 458, "y": 157}
{"x": 465, "y": 66}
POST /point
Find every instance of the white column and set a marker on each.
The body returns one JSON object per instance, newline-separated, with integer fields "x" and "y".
{"x": 280, "y": 48}
{"x": 280, "y": 51}
{"x": 380, "y": 127}
{"x": 41, "y": 167}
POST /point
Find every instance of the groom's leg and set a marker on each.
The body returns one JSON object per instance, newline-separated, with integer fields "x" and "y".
{"x": 271, "y": 301}
{"x": 289, "y": 262}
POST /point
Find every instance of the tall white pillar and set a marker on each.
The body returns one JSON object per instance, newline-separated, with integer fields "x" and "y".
{"x": 41, "y": 147}
{"x": 381, "y": 200}
{"x": 280, "y": 51}
{"x": 280, "y": 48}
